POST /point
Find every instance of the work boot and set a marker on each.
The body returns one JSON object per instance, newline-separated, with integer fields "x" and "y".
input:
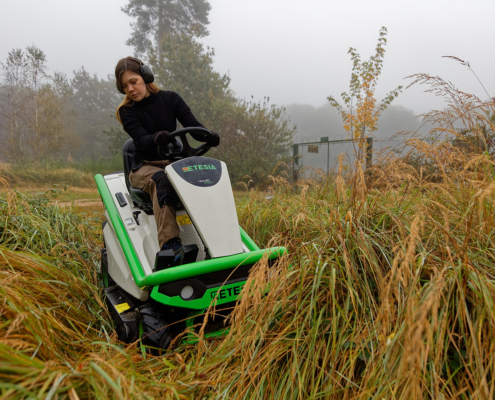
{"x": 176, "y": 246}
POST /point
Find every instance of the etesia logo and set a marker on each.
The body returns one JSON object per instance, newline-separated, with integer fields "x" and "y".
{"x": 198, "y": 168}
{"x": 228, "y": 292}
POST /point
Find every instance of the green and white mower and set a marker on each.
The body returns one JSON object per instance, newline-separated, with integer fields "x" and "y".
{"x": 149, "y": 298}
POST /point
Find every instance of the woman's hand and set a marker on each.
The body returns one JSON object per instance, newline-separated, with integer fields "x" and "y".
{"x": 162, "y": 138}
{"x": 213, "y": 140}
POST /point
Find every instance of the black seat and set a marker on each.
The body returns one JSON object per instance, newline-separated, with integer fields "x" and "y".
{"x": 140, "y": 198}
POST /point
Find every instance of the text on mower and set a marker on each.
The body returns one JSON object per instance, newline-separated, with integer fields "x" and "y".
{"x": 198, "y": 167}
{"x": 224, "y": 293}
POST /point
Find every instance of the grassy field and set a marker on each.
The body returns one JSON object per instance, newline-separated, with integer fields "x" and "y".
{"x": 387, "y": 293}
{"x": 59, "y": 174}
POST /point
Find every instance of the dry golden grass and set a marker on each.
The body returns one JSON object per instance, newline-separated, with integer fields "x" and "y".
{"x": 388, "y": 292}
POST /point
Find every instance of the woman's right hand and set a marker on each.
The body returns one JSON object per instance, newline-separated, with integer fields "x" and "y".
{"x": 213, "y": 140}
{"x": 163, "y": 138}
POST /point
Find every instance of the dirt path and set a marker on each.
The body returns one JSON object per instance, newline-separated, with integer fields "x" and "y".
{"x": 84, "y": 203}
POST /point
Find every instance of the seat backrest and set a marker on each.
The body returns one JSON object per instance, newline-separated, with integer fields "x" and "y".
{"x": 140, "y": 197}
{"x": 128, "y": 157}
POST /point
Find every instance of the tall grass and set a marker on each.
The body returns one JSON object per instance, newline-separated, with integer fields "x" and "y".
{"x": 388, "y": 292}
{"x": 389, "y": 298}
{"x": 56, "y": 337}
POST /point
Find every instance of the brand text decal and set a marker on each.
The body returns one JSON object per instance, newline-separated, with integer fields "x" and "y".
{"x": 198, "y": 168}
{"x": 228, "y": 292}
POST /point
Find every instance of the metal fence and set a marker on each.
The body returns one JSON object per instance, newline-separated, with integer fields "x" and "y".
{"x": 313, "y": 159}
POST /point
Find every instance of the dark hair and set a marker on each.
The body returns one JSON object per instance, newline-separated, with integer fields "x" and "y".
{"x": 134, "y": 65}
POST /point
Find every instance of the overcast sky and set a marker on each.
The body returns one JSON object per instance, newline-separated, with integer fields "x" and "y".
{"x": 293, "y": 51}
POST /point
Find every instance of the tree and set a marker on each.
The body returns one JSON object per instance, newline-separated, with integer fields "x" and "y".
{"x": 186, "y": 68}
{"x": 33, "y": 109}
{"x": 364, "y": 79}
{"x": 254, "y": 136}
{"x": 96, "y": 101}
{"x": 116, "y": 137}
{"x": 157, "y": 18}
{"x": 55, "y": 114}
{"x": 35, "y": 74}
{"x": 13, "y": 112}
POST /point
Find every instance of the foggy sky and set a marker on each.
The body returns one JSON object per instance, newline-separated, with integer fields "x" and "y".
{"x": 292, "y": 51}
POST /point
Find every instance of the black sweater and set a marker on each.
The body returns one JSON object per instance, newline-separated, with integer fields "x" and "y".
{"x": 157, "y": 112}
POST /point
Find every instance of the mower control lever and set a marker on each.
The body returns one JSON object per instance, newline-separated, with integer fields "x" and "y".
{"x": 136, "y": 216}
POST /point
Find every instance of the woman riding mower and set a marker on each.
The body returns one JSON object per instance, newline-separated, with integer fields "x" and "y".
{"x": 148, "y": 115}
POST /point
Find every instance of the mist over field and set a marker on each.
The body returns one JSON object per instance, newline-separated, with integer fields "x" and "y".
{"x": 293, "y": 54}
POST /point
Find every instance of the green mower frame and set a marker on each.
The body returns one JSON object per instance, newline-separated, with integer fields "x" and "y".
{"x": 221, "y": 294}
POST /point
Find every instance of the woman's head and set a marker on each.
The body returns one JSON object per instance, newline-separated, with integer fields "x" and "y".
{"x": 135, "y": 80}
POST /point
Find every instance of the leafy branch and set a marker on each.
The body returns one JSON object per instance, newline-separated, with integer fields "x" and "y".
{"x": 362, "y": 86}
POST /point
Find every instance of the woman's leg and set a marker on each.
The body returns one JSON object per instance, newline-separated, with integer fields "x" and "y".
{"x": 152, "y": 179}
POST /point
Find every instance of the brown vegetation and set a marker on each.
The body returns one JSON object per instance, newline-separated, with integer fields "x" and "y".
{"x": 387, "y": 292}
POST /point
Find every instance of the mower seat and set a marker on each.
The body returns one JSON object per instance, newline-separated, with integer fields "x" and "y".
{"x": 140, "y": 198}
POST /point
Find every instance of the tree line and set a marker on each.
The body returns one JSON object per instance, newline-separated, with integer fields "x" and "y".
{"x": 314, "y": 122}
{"x": 45, "y": 116}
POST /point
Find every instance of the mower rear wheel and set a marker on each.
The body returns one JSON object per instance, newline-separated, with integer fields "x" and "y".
{"x": 153, "y": 330}
{"x": 104, "y": 279}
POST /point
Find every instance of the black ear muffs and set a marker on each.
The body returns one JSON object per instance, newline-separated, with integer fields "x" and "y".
{"x": 145, "y": 72}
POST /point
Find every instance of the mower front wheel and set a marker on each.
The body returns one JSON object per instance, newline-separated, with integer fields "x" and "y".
{"x": 154, "y": 331}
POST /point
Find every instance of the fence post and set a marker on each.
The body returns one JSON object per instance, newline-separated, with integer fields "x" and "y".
{"x": 295, "y": 164}
{"x": 369, "y": 152}
{"x": 328, "y": 159}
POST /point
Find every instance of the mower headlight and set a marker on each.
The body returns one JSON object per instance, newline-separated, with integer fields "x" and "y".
{"x": 187, "y": 292}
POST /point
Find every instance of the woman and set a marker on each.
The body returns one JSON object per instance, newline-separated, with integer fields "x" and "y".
{"x": 148, "y": 115}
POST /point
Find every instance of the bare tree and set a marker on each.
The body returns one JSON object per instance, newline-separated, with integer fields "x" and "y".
{"x": 34, "y": 109}
{"x": 12, "y": 110}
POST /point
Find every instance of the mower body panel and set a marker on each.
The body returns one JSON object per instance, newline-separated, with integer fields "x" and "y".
{"x": 204, "y": 188}
{"x": 118, "y": 267}
{"x": 208, "y": 221}
{"x": 142, "y": 232}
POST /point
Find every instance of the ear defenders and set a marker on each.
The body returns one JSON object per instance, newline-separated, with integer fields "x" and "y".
{"x": 144, "y": 71}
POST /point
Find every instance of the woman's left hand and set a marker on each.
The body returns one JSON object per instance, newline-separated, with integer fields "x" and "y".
{"x": 213, "y": 140}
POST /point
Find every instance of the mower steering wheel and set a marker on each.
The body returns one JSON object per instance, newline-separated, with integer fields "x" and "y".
{"x": 187, "y": 150}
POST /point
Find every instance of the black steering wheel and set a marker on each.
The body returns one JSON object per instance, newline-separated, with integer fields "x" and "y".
{"x": 179, "y": 152}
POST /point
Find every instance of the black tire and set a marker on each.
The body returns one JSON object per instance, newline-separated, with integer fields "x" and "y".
{"x": 155, "y": 330}
{"x": 105, "y": 280}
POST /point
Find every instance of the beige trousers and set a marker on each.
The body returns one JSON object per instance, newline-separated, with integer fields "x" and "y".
{"x": 145, "y": 178}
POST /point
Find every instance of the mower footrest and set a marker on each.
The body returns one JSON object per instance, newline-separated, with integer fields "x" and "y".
{"x": 165, "y": 258}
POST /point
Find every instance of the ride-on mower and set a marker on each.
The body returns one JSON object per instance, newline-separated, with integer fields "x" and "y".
{"x": 150, "y": 298}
